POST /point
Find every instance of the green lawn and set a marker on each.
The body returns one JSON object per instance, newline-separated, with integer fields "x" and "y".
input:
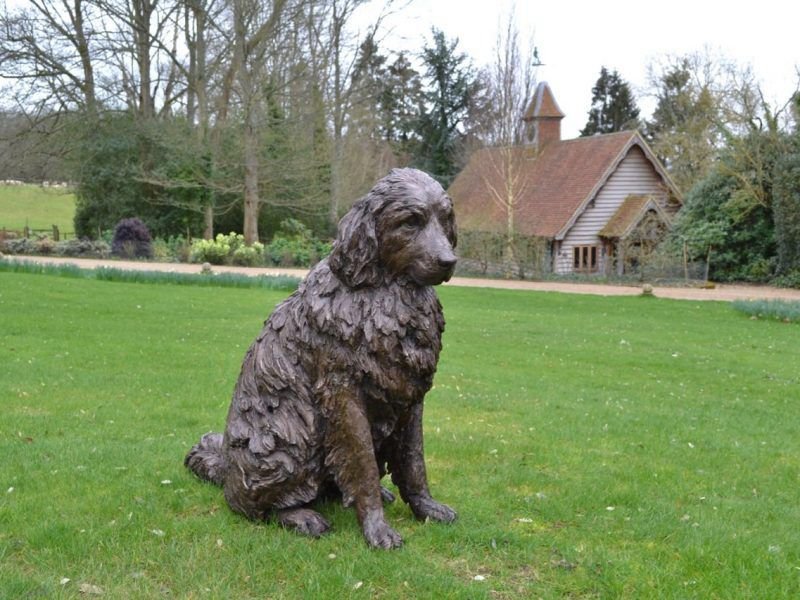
{"x": 594, "y": 448}
{"x": 36, "y": 207}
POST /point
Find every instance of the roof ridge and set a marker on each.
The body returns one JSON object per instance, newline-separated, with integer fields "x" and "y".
{"x": 626, "y": 132}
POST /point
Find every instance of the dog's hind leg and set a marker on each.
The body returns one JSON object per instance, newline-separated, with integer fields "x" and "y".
{"x": 205, "y": 459}
{"x": 303, "y": 520}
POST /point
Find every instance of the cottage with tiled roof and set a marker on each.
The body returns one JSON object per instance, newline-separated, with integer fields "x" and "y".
{"x": 586, "y": 196}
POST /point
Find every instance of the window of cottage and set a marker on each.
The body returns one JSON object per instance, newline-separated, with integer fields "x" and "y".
{"x": 584, "y": 259}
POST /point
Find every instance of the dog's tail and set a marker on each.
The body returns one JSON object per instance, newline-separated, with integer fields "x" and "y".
{"x": 206, "y": 460}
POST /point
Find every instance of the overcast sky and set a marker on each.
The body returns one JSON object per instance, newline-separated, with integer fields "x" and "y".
{"x": 576, "y": 38}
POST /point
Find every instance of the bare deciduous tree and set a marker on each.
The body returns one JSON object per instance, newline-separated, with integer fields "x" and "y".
{"x": 510, "y": 84}
{"x": 50, "y": 50}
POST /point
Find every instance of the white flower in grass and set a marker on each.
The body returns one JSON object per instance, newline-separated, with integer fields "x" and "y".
{"x": 358, "y": 584}
{"x": 479, "y": 578}
{"x": 158, "y": 532}
{"x": 91, "y": 590}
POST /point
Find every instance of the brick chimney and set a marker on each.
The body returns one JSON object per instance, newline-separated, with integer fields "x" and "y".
{"x": 543, "y": 118}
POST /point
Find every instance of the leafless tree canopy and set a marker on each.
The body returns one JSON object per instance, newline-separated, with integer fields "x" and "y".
{"x": 272, "y": 73}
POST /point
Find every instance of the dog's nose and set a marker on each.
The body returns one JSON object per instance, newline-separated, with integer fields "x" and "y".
{"x": 447, "y": 262}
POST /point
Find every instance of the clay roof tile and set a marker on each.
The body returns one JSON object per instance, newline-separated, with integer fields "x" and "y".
{"x": 549, "y": 186}
{"x": 543, "y": 105}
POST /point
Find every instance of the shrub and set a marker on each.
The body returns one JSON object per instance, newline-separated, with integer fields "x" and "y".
{"x": 790, "y": 280}
{"x": 227, "y": 249}
{"x": 109, "y": 160}
{"x": 83, "y": 248}
{"x": 179, "y": 247}
{"x": 20, "y": 246}
{"x": 45, "y": 246}
{"x": 786, "y": 212}
{"x": 161, "y": 251}
{"x": 214, "y": 251}
{"x": 295, "y": 245}
{"x": 132, "y": 239}
{"x": 175, "y": 248}
{"x": 249, "y": 256}
{"x": 487, "y": 252}
{"x": 74, "y": 247}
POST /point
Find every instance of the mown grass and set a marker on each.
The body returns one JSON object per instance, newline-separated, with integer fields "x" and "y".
{"x": 36, "y": 207}
{"x": 594, "y": 447}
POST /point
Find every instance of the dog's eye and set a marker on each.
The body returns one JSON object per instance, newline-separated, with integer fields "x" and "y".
{"x": 413, "y": 221}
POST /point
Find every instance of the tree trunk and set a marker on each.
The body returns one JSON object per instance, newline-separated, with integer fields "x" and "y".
{"x": 82, "y": 46}
{"x": 191, "y": 45}
{"x": 338, "y": 118}
{"x": 252, "y": 203}
{"x": 142, "y": 14}
{"x": 510, "y": 205}
{"x": 197, "y": 93}
{"x": 685, "y": 262}
{"x": 208, "y": 218}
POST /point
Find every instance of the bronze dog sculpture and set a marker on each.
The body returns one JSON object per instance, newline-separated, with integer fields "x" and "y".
{"x": 330, "y": 395}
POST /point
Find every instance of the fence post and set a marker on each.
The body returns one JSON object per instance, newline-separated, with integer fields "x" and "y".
{"x": 55, "y": 233}
{"x": 26, "y": 232}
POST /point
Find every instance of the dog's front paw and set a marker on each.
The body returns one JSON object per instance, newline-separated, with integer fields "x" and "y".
{"x": 379, "y": 535}
{"x": 425, "y": 507}
{"x": 304, "y": 521}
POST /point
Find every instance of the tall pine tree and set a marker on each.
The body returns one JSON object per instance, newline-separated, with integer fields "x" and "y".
{"x": 400, "y": 104}
{"x": 451, "y": 85}
{"x": 613, "y": 105}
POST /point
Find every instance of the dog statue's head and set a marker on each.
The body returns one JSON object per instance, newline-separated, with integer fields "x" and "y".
{"x": 404, "y": 227}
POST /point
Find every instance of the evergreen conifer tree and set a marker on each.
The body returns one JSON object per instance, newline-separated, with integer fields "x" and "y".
{"x": 451, "y": 85}
{"x": 613, "y": 105}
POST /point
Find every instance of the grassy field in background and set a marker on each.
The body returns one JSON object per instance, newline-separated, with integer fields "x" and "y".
{"x": 593, "y": 447}
{"x": 36, "y": 207}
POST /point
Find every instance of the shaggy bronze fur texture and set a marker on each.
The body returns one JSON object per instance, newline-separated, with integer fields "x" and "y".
{"x": 330, "y": 395}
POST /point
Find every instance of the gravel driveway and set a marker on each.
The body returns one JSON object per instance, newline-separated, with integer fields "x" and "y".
{"x": 724, "y": 293}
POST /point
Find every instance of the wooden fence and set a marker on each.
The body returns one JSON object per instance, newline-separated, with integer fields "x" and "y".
{"x": 54, "y": 233}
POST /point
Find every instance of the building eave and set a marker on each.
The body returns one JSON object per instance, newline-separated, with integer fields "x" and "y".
{"x": 648, "y": 205}
{"x": 635, "y": 140}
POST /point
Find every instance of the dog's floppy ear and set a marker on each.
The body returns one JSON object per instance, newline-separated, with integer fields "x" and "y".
{"x": 354, "y": 258}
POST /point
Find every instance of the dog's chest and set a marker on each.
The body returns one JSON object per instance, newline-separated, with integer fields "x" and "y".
{"x": 391, "y": 335}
